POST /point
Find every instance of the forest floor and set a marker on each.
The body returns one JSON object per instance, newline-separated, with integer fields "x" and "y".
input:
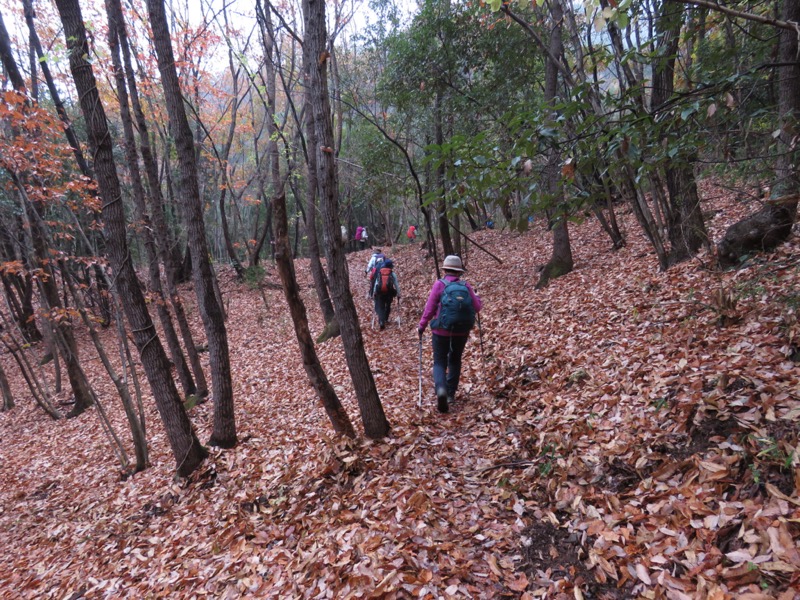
{"x": 624, "y": 433}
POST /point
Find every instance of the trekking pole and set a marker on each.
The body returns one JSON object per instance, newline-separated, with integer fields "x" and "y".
{"x": 480, "y": 334}
{"x": 419, "y": 402}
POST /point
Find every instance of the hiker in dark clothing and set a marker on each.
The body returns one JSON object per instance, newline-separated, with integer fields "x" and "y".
{"x": 384, "y": 290}
{"x": 450, "y": 310}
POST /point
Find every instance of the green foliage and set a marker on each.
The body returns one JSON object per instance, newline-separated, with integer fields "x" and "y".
{"x": 191, "y": 401}
{"x": 254, "y": 276}
{"x": 549, "y": 454}
{"x": 660, "y": 403}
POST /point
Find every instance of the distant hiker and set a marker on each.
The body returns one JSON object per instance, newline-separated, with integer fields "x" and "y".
{"x": 411, "y": 234}
{"x": 372, "y": 266}
{"x": 364, "y": 238}
{"x": 450, "y": 310}
{"x": 385, "y": 288}
{"x": 344, "y": 235}
{"x": 359, "y": 234}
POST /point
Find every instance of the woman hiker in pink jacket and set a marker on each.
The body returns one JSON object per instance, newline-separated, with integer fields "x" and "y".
{"x": 450, "y": 310}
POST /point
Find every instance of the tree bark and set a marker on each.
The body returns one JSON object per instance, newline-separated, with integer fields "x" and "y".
{"x": 226, "y": 150}
{"x": 441, "y": 203}
{"x": 211, "y": 311}
{"x": 321, "y": 283}
{"x": 316, "y": 374}
{"x": 315, "y": 56}
{"x": 8, "y": 396}
{"x": 685, "y": 225}
{"x": 170, "y": 256}
{"x": 186, "y": 447}
{"x": 115, "y": 23}
{"x": 19, "y": 286}
{"x": 560, "y": 262}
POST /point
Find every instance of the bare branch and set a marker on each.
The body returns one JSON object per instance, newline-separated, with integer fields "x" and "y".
{"x": 790, "y": 25}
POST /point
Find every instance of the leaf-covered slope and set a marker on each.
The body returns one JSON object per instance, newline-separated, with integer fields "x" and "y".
{"x": 623, "y": 433}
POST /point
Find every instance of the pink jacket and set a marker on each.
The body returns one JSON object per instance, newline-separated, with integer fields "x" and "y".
{"x": 432, "y": 305}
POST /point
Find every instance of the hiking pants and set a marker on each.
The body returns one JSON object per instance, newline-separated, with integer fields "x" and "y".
{"x": 447, "y": 352}
{"x": 383, "y": 306}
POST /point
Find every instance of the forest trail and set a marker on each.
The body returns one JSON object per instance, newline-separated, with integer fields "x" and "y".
{"x": 611, "y": 442}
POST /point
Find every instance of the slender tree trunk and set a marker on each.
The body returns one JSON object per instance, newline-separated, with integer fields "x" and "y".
{"x": 170, "y": 256}
{"x": 226, "y": 150}
{"x": 315, "y": 56}
{"x": 441, "y": 203}
{"x": 40, "y": 396}
{"x": 211, "y": 311}
{"x": 560, "y": 262}
{"x": 5, "y": 388}
{"x": 321, "y": 283}
{"x": 22, "y": 307}
{"x": 186, "y": 448}
{"x": 136, "y": 425}
{"x": 115, "y": 23}
{"x": 316, "y": 374}
{"x": 685, "y": 225}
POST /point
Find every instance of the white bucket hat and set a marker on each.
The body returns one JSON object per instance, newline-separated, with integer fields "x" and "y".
{"x": 453, "y": 263}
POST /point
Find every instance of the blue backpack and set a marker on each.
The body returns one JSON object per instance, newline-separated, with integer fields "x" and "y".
{"x": 456, "y": 312}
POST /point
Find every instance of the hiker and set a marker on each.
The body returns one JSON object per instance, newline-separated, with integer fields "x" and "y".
{"x": 372, "y": 266}
{"x": 450, "y": 310}
{"x": 358, "y": 235}
{"x": 384, "y": 290}
{"x": 364, "y": 238}
{"x": 411, "y": 234}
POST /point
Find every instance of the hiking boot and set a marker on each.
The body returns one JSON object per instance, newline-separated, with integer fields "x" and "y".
{"x": 383, "y": 326}
{"x": 441, "y": 404}
{"x": 451, "y": 400}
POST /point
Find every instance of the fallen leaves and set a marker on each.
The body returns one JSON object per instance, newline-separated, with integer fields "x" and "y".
{"x": 611, "y": 441}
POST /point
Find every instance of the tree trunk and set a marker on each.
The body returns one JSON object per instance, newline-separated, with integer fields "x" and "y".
{"x": 771, "y": 226}
{"x": 444, "y": 228}
{"x": 224, "y": 433}
{"x": 317, "y": 271}
{"x": 186, "y": 447}
{"x": 22, "y": 306}
{"x": 226, "y": 150}
{"x": 560, "y": 262}
{"x": 315, "y": 56}
{"x": 8, "y": 397}
{"x": 685, "y": 225}
{"x": 316, "y": 374}
{"x": 115, "y": 23}
{"x": 170, "y": 256}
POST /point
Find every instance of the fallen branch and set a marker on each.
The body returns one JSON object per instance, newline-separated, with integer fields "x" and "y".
{"x": 474, "y": 243}
{"x": 509, "y": 465}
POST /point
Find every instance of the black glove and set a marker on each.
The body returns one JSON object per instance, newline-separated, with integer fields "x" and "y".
{"x": 420, "y": 331}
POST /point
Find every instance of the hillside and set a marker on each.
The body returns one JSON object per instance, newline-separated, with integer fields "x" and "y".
{"x": 624, "y": 433}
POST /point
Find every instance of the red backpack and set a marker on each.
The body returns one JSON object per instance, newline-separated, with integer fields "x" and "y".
{"x": 384, "y": 283}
